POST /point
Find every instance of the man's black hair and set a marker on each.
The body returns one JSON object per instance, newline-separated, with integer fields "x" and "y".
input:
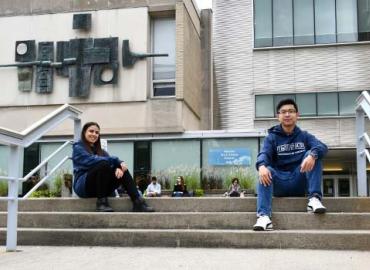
{"x": 287, "y": 101}
{"x": 154, "y": 178}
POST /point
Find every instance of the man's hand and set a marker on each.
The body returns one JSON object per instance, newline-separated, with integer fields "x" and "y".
{"x": 264, "y": 175}
{"x": 119, "y": 173}
{"x": 123, "y": 166}
{"x": 307, "y": 164}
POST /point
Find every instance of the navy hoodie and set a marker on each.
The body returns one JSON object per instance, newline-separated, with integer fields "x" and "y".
{"x": 285, "y": 152}
{"x": 83, "y": 161}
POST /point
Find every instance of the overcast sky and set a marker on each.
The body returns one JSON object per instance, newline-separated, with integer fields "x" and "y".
{"x": 204, "y": 3}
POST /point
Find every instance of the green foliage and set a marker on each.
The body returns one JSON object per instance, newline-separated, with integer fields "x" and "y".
{"x": 54, "y": 191}
{"x": 199, "y": 193}
{"x": 3, "y": 188}
{"x": 57, "y": 185}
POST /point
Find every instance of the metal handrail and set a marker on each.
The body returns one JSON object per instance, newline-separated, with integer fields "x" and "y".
{"x": 362, "y": 139}
{"x": 17, "y": 141}
{"x": 45, "y": 161}
{"x": 38, "y": 167}
{"x": 45, "y": 178}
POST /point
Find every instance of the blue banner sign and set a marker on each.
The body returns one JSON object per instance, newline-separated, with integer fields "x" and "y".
{"x": 229, "y": 156}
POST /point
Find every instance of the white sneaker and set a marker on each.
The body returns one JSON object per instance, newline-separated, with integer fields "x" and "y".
{"x": 315, "y": 206}
{"x": 263, "y": 224}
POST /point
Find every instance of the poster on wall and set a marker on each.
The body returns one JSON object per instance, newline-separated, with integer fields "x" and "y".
{"x": 229, "y": 156}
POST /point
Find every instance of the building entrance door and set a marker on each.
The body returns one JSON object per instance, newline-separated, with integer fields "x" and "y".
{"x": 337, "y": 186}
{"x": 142, "y": 161}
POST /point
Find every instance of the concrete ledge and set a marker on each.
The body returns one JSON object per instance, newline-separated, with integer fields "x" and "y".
{"x": 339, "y": 240}
{"x": 202, "y": 220}
{"x": 202, "y": 204}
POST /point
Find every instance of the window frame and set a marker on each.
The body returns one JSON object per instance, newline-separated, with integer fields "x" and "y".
{"x": 316, "y": 116}
{"x": 153, "y": 81}
{"x": 362, "y": 38}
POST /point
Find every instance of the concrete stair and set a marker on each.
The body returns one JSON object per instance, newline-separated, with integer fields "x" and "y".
{"x": 192, "y": 222}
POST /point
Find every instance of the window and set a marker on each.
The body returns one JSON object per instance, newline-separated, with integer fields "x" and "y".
{"x": 303, "y": 22}
{"x": 363, "y": 20}
{"x": 278, "y": 98}
{"x": 224, "y": 159}
{"x": 47, "y": 149}
{"x": 4, "y": 158}
{"x": 306, "y": 104}
{"x": 325, "y": 21}
{"x": 265, "y": 106}
{"x": 310, "y": 104}
{"x": 306, "y": 22}
{"x": 327, "y": 104}
{"x": 343, "y": 187}
{"x": 123, "y": 150}
{"x": 346, "y": 20}
{"x": 172, "y": 158}
{"x": 282, "y": 22}
{"x": 347, "y": 102}
{"x": 164, "y": 68}
{"x": 263, "y": 23}
{"x": 328, "y": 190}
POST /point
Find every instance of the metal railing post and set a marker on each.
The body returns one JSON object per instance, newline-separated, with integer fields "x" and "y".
{"x": 360, "y": 153}
{"x": 15, "y": 165}
{"x": 77, "y": 129}
{"x": 77, "y": 133}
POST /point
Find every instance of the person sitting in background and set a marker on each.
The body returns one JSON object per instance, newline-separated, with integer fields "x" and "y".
{"x": 180, "y": 190}
{"x": 234, "y": 190}
{"x": 154, "y": 188}
{"x": 97, "y": 174}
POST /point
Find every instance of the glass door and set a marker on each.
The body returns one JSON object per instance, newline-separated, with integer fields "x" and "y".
{"x": 337, "y": 186}
{"x": 328, "y": 190}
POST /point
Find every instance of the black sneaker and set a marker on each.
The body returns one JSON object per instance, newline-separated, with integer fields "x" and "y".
{"x": 102, "y": 205}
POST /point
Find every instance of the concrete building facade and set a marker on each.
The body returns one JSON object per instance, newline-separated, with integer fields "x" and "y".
{"x": 313, "y": 51}
{"x": 160, "y": 96}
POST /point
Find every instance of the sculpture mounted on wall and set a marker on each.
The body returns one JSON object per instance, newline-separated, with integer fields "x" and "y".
{"x": 75, "y": 59}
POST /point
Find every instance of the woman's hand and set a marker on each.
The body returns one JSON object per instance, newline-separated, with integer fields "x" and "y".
{"x": 123, "y": 167}
{"x": 119, "y": 173}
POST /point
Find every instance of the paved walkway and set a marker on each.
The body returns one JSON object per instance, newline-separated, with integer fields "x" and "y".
{"x": 106, "y": 258}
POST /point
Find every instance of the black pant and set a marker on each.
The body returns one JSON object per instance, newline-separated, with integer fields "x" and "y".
{"x": 234, "y": 194}
{"x": 101, "y": 182}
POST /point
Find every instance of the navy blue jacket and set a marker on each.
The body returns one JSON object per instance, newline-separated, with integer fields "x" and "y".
{"x": 285, "y": 152}
{"x": 83, "y": 160}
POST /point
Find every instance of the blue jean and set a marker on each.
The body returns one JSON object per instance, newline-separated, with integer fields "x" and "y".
{"x": 289, "y": 184}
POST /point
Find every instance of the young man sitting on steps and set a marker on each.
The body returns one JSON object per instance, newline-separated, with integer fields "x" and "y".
{"x": 288, "y": 165}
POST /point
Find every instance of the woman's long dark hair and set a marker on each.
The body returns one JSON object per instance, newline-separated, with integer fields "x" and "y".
{"x": 97, "y": 144}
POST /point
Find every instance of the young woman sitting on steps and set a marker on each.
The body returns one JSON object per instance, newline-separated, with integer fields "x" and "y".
{"x": 97, "y": 174}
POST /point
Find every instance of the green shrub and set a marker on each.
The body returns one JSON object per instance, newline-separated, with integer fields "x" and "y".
{"x": 3, "y": 188}
{"x": 54, "y": 191}
{"x": 41, "y": 194}
{"x": 199, "y": 193}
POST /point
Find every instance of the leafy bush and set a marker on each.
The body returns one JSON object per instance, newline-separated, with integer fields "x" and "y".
{"x": 199, "y": 193}
{"x": 3, "y": 188}
{"x": 54, "y": 191}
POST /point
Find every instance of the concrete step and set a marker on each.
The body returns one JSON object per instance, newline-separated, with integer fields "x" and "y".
{"x": 200, "y": 220}
{"x": 310, "y": 239}
{"x": 203, "y": 204}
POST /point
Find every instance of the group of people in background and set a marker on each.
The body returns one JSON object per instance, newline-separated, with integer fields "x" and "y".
{"x": 154, "y": 189}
